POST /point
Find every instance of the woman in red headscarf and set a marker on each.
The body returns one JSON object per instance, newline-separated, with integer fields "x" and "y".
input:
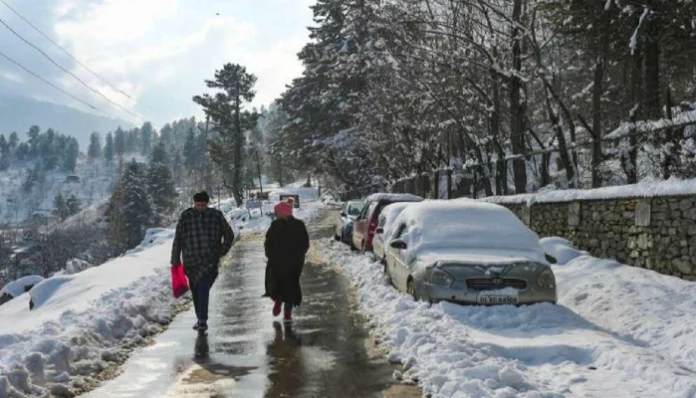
{"x": 286, "y": 245}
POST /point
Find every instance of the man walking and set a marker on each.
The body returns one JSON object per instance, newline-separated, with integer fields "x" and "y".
{"x": 204, "y": 236}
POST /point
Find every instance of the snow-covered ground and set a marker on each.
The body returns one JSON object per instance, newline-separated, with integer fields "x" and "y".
{"x": 85, "y": 322}
{"x": 94, "y": 185}
{"x": 81, "y": 322}
{"x": 617, "y": 331}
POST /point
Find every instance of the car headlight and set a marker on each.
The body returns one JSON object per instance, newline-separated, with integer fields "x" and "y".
{"x": 436, "y": 276}
{"x": 546, "y": 279}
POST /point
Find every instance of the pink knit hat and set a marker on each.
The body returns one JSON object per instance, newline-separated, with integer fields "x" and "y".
{"x": 283, "y": 209}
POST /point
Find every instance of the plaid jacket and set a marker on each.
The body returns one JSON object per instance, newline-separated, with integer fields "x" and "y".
{"x": 203, "y": 238}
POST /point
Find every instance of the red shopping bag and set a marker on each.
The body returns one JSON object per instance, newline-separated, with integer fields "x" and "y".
{"x": 179, "y": 281}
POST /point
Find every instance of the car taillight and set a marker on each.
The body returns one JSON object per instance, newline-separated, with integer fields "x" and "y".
{"x": 373, "y": 227}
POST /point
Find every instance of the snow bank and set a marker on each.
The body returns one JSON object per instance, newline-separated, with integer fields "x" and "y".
{"x": 17, "y": 288}
{"x": 82, "y": 322}
{"x": 642, "y": 306}
{"x": 647, "y": 188}
{"x": 534, "y": 351}
{"x": 561, "y": 249}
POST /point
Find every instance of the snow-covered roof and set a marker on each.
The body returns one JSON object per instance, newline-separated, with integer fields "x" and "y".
{"x": 394, "y": 197}
{"x": 644, "y": 189}
{"x": 482, "y": 228}
{"x": 16, "y": 288}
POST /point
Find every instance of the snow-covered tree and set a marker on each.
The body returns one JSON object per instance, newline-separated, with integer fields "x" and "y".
{"x": 226, "y": 109}
{"x": 109, "y": 149}
{"x": 94, "y": 151}
{"x": 130, "y": 210}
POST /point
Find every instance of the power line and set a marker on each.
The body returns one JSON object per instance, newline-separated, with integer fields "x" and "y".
{"x": 68, "y": 72}
{"x": 64, "y": 50}
{"x": 53, "y": 85}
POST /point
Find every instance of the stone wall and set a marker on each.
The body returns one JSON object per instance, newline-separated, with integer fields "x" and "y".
{"x": 656, "y": 233}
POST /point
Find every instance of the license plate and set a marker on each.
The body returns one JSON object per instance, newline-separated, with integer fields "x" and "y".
{"x": 497, "y": 300}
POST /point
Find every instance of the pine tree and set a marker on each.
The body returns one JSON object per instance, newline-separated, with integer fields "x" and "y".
{"x": 72, "y": 152}
{"x": 109, "y": 150}
{"x": 130, "y": 210}
{"x": 73, "y": 205}
{"x": 60, "y": 207}
{"x": 132, "y": 140}
{"x": 159, "y": 154}
{"x": 14, "y": 140}
{"x": 95, "y": 148}
{"x": 4, "y": 153}
{"x": 119, "y": 143}
{"x": 34, "y": 176}
{"x": 190, "y": 153}
{"x": 226, "y": 111}
{"x": 161, "y": 183}
{"x": 146, "y": 135}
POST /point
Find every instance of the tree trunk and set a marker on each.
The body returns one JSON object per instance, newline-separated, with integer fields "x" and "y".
{"x": 237, "y": 186}
{"x": 651, "y": 57}
{"x": 597, "y": 90}
{"x": 501, "y": 167}
{"x": 517, "y": 104}
{"x": 631, "y": 168}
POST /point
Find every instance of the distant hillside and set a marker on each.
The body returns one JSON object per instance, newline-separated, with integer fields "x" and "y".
{"x": 20, "y": 113}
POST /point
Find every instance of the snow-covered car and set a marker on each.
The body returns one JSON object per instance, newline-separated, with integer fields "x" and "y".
{"x": 19, "y": 287}
{"x": 344, "y": 224}
{"x": 366, "y": 223}
{"x": 468, "y": 252}
{"x": 385, "y": 222}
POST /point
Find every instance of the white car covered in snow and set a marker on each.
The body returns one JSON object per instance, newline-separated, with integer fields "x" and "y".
{"x": 385, "y": 222}
{"x": 468, "y": 252}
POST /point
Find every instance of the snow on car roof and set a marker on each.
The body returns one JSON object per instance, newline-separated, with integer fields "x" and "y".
{"x": 390, "y": 214}
{"x": 395, "y": 197}
{"x": 466, "y": 224}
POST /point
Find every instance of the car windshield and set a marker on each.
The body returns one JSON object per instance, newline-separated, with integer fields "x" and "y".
{"x": 355, "y": 209}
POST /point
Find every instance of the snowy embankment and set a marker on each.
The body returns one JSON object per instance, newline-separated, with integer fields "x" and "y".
{"x": 617, "y": 332}
{"x": 83, "y": 323}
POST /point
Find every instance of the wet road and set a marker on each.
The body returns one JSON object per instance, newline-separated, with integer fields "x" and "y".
{"x": 246, "y": 354}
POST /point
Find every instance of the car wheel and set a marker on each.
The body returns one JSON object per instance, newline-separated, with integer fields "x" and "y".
{"x": 411, "y": 289}
{"x": 362, "y": 247}
{"x": 352, "y": 246}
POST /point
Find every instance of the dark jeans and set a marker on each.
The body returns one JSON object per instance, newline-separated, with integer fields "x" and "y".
{"x": 201, "y": 295}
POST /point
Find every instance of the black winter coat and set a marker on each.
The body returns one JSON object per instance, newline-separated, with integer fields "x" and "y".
{"x": 201, "y": 239}
{"x": 286, "y": 245}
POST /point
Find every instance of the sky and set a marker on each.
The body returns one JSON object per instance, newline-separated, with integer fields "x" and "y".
{"x": 157, "y": 51}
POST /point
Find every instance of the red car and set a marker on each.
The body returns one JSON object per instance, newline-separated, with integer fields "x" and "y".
{"x": 366, "y": 223}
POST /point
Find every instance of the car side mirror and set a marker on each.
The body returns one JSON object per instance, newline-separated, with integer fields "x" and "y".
{"x": 343, "y": 214}
{"x": 399, "y": 245}
{"x": 379, "y": 231}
